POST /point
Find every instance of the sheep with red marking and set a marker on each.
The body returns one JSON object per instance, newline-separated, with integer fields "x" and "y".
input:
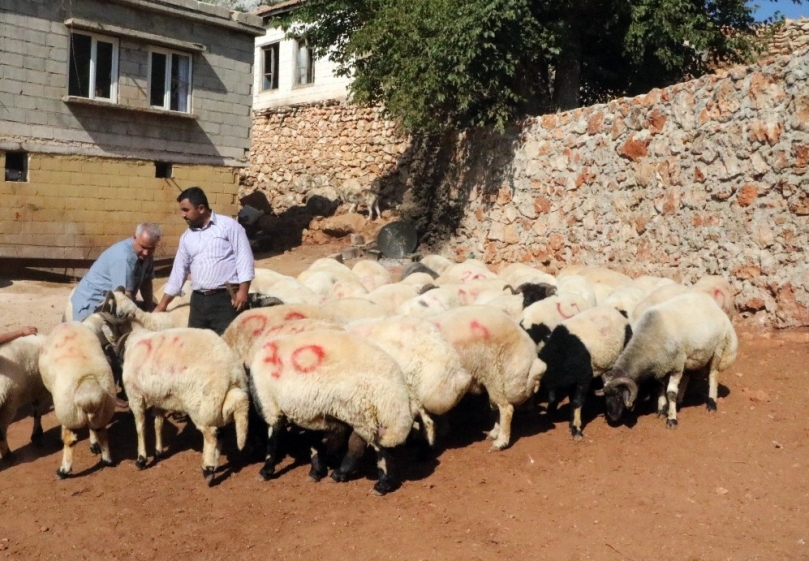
{"x": 432, "y": 369}
{"x": 372, "y": 275}
{"x": 433, "y": 301}
{"x": 76, "y": 371}
{"x": 346, "y": 310}
{"x": 499, "y": 355}
{"x": 20, "y": 384}
{"x": 718, "y": 288}
{"x": 122, "y": 306}
{"x": 391, "y": 296}
{"x": 324, "y": 380}
{"x": 469, "y": 270}
{"x": 683, "y": 334}
{"x": 191, "y": 371}
{"x": 290, "y": 291}
{"x": 436, "y": 263}
{"x": 516, "y": 274}
{"x": 541, "y": 318}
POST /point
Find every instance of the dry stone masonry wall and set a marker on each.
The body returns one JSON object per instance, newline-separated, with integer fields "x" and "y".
{"x": 705, "y": 177}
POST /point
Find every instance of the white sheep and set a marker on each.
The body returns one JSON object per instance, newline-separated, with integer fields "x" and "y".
{"x": 516, "y": 274}
{"x": 437, "y": 263}
{"x": 290, "y": 291}
{"x": 435, "y": 377}
{"x": 604, "y": 280}
{"x": 372, "y": 275}
{"x": 347, "y": 310}
{"x": 157, "y": 321}
{"x": 718, "y": 288}
{"x": 322, "y": 380}
{"x": 433, "y": 301}
{"x": 514, "y": 301}
{"x": 76, "y": 371}
{"x": 252, "y": 325}
{"x": 499, "y": 355}
{"x": 418, "y": 280}
{"x": 191, "y": 371}
{"x": 541, "y": 318}
{"x": 264, "y": 279}
{"x": 20, "y": 384}
{"x": 391, "y": 296}
{"x": 469, "y": 270}
{"x": 656, "y": 296}
{"x": 623, "y": 298}
{"x": 576, "y": 284}
{"x": 648, "y": 283}
{"x": 418, "y": 267}
{"x": 686, "y": 333}
{"x": 578, "y": 350}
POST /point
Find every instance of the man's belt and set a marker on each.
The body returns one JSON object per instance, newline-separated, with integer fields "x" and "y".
{"x": 211, "y": 291}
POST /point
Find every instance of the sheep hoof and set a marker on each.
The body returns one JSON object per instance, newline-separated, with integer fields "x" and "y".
{"x": 339, "y": 476}
{"x": 317, "y": 474}
{"x": 266, "y": 472}
{"x": 36, "y": 437}
{"x": 140, "y": 463}
{"x": 107, "y": 463}
{"x": 159, "y": 454}
{"x": 662, "y": 413}
{"x": 498, "y": 446}
{"x": 384, "y": 486}
{"x": 711, "y": 405}
{"x": 207, "y": 474}
{"x": 577, "y": 434}
{"x": 62, "y": 473}
{"x": 671, "y": 423}
{"x": 95, "y": 448}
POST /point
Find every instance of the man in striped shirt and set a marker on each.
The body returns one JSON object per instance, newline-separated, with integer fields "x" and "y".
{"x": 216, "y": 252}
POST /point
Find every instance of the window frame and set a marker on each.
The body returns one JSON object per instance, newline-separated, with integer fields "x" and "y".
{"x": 310, "y": 74}
{"x": 265, "y": 49}
{"x": 95, "y": 37}
{"x": 26, "y": 164}
{"x": 167, "y": 79}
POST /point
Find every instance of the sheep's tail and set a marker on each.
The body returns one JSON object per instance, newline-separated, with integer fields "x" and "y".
{"x": 237, "y": 405}
{"x": 90, "y": 395}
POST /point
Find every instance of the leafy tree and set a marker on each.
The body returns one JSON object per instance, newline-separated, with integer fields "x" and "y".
{"x": 453, "y": 64}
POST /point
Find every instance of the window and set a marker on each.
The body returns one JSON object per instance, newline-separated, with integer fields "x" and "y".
{"x": 170, "y": 80}
{"x": 304, "y": 65}
{"x": 270, "y": 80}
{"x": 93, "y": 67}
{"x": 163, "y": 170}
{"x": 16, "y": 166}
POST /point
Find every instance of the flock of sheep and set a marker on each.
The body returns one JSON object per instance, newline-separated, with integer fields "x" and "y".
{"x": 365, "y": 361}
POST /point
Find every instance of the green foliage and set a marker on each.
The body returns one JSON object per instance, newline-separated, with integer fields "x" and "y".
{"x": 454, "y": 64}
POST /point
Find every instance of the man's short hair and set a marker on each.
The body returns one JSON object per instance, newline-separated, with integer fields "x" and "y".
{"x": 195, "y": 195}
{"x": 152, "y": 231}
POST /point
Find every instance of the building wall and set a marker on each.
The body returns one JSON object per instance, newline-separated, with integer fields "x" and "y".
{"x": 326, "y": 86}
{"x": 34, "y": 63}
{"x": 74, "y": 207}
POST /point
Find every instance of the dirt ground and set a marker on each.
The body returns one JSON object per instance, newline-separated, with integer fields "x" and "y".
{"x": 723, "y": 486}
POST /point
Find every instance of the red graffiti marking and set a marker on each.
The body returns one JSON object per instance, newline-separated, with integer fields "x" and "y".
{"x": 479, "y": 329}
{"x": 146, "y": 343}
{"x": 294, "y": 315}
{"x": 258, "y": 320}
{"x": 563, "y": 314}
{"x": 305, "y": 359}
{"x": 64, "y": 340}
{"x": 465, "y": 276}
{"x": 719, "y": 296}
{"x": 273, "y": 358}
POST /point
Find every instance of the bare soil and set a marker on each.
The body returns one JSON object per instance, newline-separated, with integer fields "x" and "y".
{"x": 728, "y": 485}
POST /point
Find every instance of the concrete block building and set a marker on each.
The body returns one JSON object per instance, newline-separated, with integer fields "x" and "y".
{"x": 108, "y": 109}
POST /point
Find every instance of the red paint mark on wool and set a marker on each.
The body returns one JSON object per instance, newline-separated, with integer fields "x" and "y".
{"x": 479, "y": 329}
{"x": 294, "y": 315}
{"x": 260, "y": 321}
{"x": 563, "y": 314}
{"x": 719, "y": 296}
{"x": 273, "y": 358}
{"x": 146, "y": 343}
{"x": 305, "y": 359}
{"x": 64, "y": 340}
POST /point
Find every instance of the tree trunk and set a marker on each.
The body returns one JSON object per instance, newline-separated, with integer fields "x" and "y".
{"x": 566, "y": 82}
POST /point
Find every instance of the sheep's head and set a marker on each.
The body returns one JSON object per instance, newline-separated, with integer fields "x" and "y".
{"x": 533, "y": 292}
{"x": 620, "y": 393}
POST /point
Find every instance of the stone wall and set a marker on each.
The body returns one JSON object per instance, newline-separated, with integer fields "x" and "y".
{"x": 705, "y": 177}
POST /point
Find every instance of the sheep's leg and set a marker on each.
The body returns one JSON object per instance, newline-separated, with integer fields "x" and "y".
{"x": 502, "y": 440}
{"x": 5, "y": 453}
{"x": 139, "y": 411}
{"x": 356, "y": 449}
{"x": 210, "y": 451}
{"x": 36, "y": 435}
{"x": 577, "y": 403}
{"x": 713, "y": 386}
{"x": 662, "y": 400}
{"x": 273, "y": 434}
{"x": 69, "y": 440}
{"x": 683, "y": 386}
{"x": 385, "y": 483}
{"x": 429, "y": 427}
{"x": 94, "y": 446}
{"x": 672, "y": 390}
{"x": 159, "y": 418}
{"x": 103, "y": 442}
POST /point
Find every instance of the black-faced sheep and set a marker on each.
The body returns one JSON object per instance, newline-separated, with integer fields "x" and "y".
{"x": 578, "y": 350}
{"x": 686, "y": 333}
{"x": 541, "y": 318}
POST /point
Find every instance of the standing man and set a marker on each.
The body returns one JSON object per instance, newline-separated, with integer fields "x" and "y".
{"x": 216, "y": 252}
{"x": 128, "y": 263}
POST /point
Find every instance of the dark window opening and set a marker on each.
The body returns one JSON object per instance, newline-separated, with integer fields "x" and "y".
{"x": 157, "y": 95}
{"x": 270, "y": 81}
{"x": 16, "y": 166}
{"x": 80, "y": 56}
{"x": 163, "y": 170}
